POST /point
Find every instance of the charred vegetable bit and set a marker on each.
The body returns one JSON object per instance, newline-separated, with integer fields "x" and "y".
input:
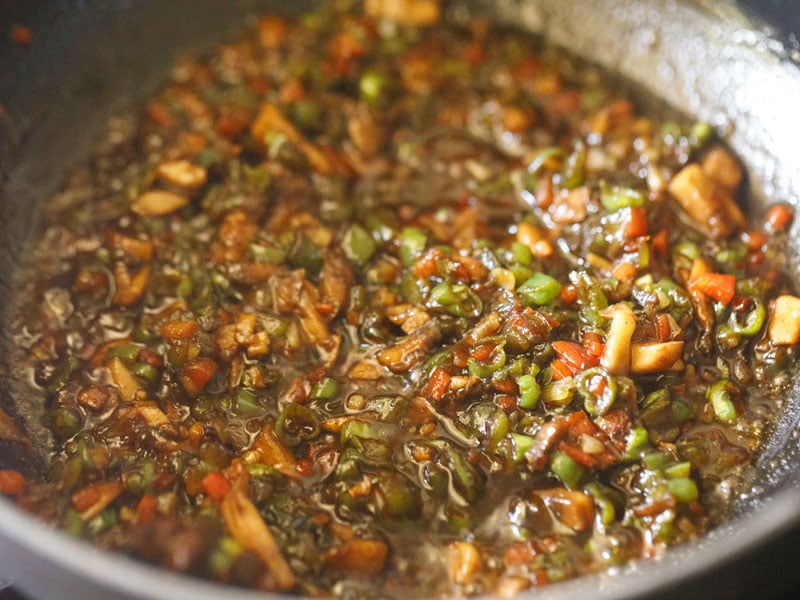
{"x": 370, "y": 304}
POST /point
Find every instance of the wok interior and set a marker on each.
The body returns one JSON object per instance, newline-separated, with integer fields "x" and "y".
{"x": 680, "y": 52}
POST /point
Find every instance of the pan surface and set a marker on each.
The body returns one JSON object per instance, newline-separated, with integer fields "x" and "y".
{"x": 90, "y": 61}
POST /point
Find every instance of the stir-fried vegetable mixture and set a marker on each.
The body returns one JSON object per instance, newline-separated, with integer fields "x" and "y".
{"x": 372, "y": 305}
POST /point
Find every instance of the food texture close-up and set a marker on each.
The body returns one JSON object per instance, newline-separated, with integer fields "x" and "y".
{"x": 395, "y": 299}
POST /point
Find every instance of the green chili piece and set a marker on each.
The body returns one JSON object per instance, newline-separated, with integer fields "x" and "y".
{"x": 753, "y": 320}
{"x": 325, "y": 389}
{"x": 371, "y": 85}
{"x": 266, "y": 254}
{"x": 497, "y": 361}
{"x": 358, "y": 244}
{"x": 615, "y": 197}
{"x": 699, "y": 134}
{"x": 521, "y": 254}
{"x": 466, "y": 475}
{"x": 397, "y": 496}
{"x": 125, "y": 352}
{"x": 540, "y": 289}
{"x": 146, "y": 371}
{"x": 65, "y": 422}
{"x": 522, "y": 443}
{"x": 678, "y": 470}
{"x": 656, "y": 460}
{"x": 456, "y": 299}
{"x": 247, "y": 403}
{"x": 593, "y": 379}
{"x": 73, "y": 522}
{"x": 566, "y": 469}
{"x": 605, "y": 507}
{"x": 558, "y": 393}
{"x": 296, "y": 423}
{"x": 719, "y": 395}
{"x": 638, "y": 441}
{"x": 683, "y": 489}
{"x": 305, "y": 254}
{"x": 260, "y": 470}
{"x": 521, "y": 274}
{"x": 412, "y": 242}
{"x": 529, "y": 391}
{"x": 545, "y": 157}
{"x": 68, "y": 366}
{"x": 499, "y": 426}
{"x": 688, "y": 249}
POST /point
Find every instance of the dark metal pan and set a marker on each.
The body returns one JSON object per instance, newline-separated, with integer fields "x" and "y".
{"x": 91, "y": 60}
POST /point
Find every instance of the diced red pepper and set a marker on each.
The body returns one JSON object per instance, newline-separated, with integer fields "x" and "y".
{"x": 659, "y": 242}
{"x": 719, "y": 286}
{"x": 438, "y": 384}
{"x": 593, "y": 344}
{"x": 560, "y": 369}
{"x": 179, "y": 330}
{"x": 635, "y": 222}
{"x": 146, "y": 509}
{"x": 216, "y": 486}
{"x": 11, "y": 482}
{"x": 197, "y": 373}
{"x": 579, "y": 456}
{"x": 85, "y": 498}
{"x": 624, "y": 271}
{"x": 663, "y": 329}
{"x": 574, "y": 355}
{"x": 778, "y": 217}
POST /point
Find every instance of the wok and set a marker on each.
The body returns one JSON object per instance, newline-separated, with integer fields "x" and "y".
{"x": 91, "y": 60}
